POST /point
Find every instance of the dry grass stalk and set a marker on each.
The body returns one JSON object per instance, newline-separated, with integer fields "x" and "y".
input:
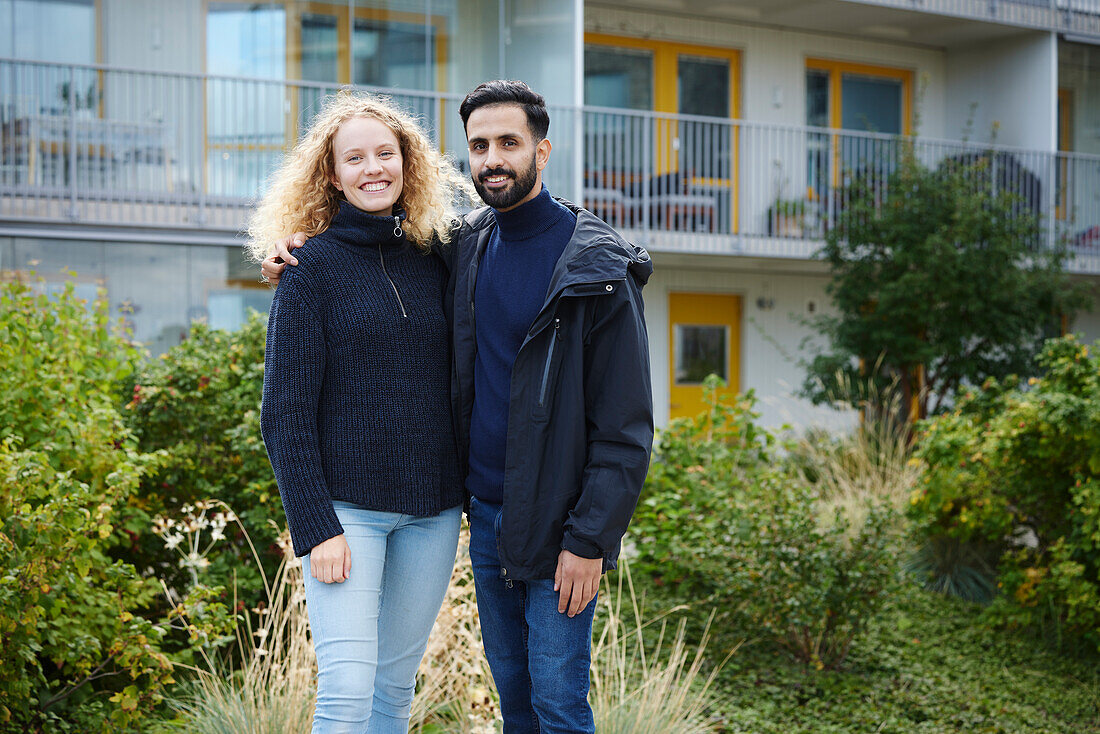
{"x": 454, "y": 688}
{"x": 640, "y": 690}
{"x": 635, "y": 689}
{"x": 872, "y": 464}
{"x": 275, "y": 691}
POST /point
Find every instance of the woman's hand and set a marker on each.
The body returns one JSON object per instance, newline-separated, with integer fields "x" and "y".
{"x": 330, "y": 560}
{"x": 272, "y": 268}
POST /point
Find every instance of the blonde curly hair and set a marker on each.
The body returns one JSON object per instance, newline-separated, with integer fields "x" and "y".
{"x": 302, "y": 198}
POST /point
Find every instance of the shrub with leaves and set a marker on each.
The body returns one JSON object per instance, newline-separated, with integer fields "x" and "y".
{"x": 1015, "y": 470}
{"x": 200, "y": 404}
{"x": 77, "y": 654}
{"x": 982, "y": 310}
{"x": 723, "y": 521}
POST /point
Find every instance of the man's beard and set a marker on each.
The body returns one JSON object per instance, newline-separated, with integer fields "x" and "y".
{"x": 511, "y": 195}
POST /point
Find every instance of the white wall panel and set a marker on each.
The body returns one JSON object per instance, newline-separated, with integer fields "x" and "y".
{"x": 153, "y": 36}
{"x": 1010, "y": 83}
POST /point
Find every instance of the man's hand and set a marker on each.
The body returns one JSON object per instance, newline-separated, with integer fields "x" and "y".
{"x": 576, "y": 580}
{"x": 330, "y": 560}
{"x": 272, "y": 267}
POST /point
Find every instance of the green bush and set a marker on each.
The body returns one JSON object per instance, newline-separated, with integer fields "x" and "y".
{"x": 200, "y": 404}
{"x": 1016, "y": 471}
{"x": 77, "y": 655}
{"x": 723, "y": 520}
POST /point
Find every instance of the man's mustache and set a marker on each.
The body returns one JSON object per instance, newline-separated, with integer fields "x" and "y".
{"x": 496, "y": 172}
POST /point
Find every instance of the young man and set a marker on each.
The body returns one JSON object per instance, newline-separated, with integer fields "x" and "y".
{"x": 552, "y": 400}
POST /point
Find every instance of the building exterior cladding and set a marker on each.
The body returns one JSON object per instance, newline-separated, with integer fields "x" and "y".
{"x": 136, "y": 134}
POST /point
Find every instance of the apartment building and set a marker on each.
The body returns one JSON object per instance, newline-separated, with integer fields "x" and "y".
{"x": 718, "y": 133}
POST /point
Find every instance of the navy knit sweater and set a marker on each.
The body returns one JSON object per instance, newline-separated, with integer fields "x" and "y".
{"x": 512, "y": 280}
{"x": 356, "y": 379}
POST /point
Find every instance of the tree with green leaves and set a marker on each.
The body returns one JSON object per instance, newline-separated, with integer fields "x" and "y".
{"x": 941, "y": 278}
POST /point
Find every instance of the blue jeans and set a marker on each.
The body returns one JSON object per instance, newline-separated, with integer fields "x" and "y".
{"x": 540, "y": 658}
{"x": 370, "y": 631}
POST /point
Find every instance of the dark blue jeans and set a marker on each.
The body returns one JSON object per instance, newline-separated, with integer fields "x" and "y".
{"x": 539, "y": 656}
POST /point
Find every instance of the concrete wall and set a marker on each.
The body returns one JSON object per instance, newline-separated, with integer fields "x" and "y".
{"x": 153, "y": 36}
{"x": 1009, "y": 83}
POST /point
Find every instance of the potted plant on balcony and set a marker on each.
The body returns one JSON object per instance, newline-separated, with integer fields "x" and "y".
{"x": 787, "y": 217}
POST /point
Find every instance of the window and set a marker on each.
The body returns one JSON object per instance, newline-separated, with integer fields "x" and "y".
{"x": 246, "y": 39}
{"x": 48, "y": 30}
{"x": 618, "y": 77}
{"x": 250, "y": 123}
{"x": 387, "y": 53}
{"x": 320, "y": 53}
{"x": 700, "y": 351}
{"x": 157, "y": 289}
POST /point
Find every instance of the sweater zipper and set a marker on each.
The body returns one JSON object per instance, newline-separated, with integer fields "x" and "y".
{"x": 393, "y": 285}
{"x": 549, "y": 359}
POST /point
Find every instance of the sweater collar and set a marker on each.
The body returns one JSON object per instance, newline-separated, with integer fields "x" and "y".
{"x": 530, "y": 219}
{"x": 352, "y": 226}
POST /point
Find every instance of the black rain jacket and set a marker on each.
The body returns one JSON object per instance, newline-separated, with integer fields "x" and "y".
{"x": 580, "y": 421}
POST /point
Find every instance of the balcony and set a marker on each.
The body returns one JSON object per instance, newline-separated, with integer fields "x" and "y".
{"x": 184, "y": 156}
{"x": 1075, "y": 17}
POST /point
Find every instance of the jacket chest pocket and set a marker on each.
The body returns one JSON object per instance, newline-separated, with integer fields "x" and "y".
{"x": 546, "y": 376}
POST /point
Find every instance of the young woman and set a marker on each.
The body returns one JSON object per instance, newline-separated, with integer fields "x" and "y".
{"x": 356, "y": 414}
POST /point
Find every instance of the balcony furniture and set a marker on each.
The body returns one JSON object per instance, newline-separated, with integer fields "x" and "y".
{"x": 610, "y": 196}
{"x": 677, "y": 205}
{"x": 109, "y": 149}
{"x": 1004, "y": 172}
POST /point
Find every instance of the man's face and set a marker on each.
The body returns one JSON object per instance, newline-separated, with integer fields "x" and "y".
{"x": 505, "y": 162}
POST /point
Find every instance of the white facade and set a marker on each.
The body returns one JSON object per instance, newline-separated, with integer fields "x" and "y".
{"x": 170, "y": 150}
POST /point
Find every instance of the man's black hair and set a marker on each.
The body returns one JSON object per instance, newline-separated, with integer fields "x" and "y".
{"x": 503, "y": 91}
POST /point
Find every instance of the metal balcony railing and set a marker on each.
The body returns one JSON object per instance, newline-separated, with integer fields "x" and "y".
{"x": 104, "y": 146}
{"x": 1079, "y": 17}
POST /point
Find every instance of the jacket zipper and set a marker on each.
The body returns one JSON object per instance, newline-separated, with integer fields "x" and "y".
{"x": 393, "y": 285}
{"x": 549, "y": 359}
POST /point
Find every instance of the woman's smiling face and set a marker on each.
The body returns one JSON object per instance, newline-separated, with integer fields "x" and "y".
{"x": 368, "y": 165}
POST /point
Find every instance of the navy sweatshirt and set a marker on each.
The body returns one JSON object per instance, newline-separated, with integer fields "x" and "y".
{"x": 356, "y": 379}
{"x": 512, "y": 279}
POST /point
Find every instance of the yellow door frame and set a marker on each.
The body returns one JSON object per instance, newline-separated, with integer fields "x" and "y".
{"x": 1065, "y": 144}
{"x": 695, "y": 308}
{"x": 666, "y": 56}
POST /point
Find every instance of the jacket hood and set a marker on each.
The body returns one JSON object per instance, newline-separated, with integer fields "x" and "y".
{"x": 596, "y": 252}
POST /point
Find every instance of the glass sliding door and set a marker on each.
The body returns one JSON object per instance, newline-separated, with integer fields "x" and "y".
{"x": 398, "y": 54}
{"x": 818, "y": 149}
{"x": 246, "y": 119}
{"x": 661, "y": 170}
{"x": 706, "y": 149}
{"x": 617, "y": 148}
{"x": 874, "y": 103}
{"x": 319, "y": 59}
